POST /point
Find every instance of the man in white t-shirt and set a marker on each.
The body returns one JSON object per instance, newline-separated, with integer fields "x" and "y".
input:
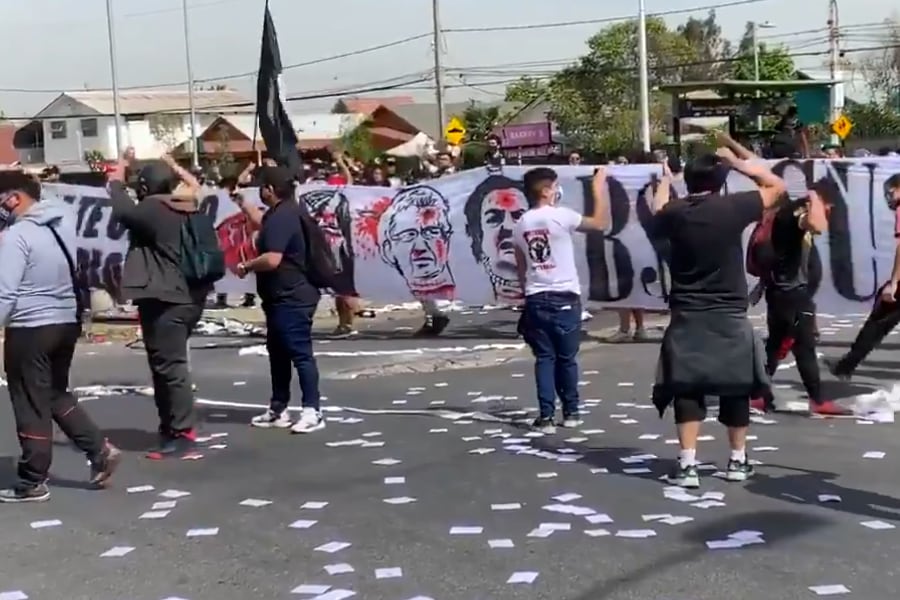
{"x": 551, "y": 320}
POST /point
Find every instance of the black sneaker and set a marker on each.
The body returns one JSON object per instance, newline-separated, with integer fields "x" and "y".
{"x": 25, "y": 493}
{"x": 544, "y": 425}
{"x": 836, "y": 368}
{"x": 103, "y": 468}
{"x": 434, "y": 325}
{"x": 684, "y": 476}
{"x": 739, "y": 471}
{"x": 178, "y": 446}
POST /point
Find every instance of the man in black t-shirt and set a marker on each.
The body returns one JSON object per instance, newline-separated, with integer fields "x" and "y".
{"x": 789, "y": 303}
{"x": 709, "y": 348}
{"x": 288, "y": 298}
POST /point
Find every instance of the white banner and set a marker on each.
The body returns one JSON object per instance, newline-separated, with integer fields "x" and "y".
{"x": 452, "y": 238}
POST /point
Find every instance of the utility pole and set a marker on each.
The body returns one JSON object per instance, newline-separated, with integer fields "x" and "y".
{"x": 833, "y": 63}
{"x": 644, "y": 77}
{"x": 190, "y": 73}
{"x": 110, "y": 31}
{"x": 438, "y": 66}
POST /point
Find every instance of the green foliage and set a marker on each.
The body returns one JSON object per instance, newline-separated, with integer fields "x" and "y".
{"x": 94, "y": 160}
{"x": 480, "y": 120}
{"x": 873, "y": 120}
{"x": 525, "y": 90}
{"x": 881, "y": 68}
{"x": 712, "y": 50}
{"x": 775, "y": 62}
{"x": 358, "y": 143}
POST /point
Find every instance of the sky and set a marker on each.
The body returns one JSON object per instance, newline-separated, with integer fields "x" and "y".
{"x": 57, "y": 45}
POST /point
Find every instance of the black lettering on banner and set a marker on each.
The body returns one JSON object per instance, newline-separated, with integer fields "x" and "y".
{"x": 96, "y": 271}
{"x": 661, "y": 248}
{"x": 839, "y": 232}
{"x": 608, "y": 284}
{"x": 209, "y": 206}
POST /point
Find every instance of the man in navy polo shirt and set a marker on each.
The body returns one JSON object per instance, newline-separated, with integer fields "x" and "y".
{"x": 289, "y": 300}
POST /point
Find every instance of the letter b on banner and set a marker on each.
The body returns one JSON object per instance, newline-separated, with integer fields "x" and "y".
{"x": 608, "y": 259}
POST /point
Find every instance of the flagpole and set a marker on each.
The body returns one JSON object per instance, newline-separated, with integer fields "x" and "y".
{"x": 256, "y": 100}
{"x": 190, "y": 74}
{"x": 110, "y": 30}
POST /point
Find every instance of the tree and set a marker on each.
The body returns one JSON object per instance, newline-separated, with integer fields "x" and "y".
{"x": 775, "y": 62}
{"x": 881, "y": 68}
{"x": 480, "y": 120}
{"x": 357, "y": 142}
{"x": 712, "y": 50}
{"x": 873, "y": 120}
{"x": 595, "y": 103}
{"x": 167, "y": 129}
{"x": 526, "y": 90}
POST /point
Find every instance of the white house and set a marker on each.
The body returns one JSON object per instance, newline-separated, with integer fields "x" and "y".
{"x": 153, "y": 121}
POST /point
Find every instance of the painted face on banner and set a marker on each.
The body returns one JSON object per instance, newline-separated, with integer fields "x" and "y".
{"x": 414, "y": 237}
{"x": 330, "y": 208}
{"x": 500, "y": 211}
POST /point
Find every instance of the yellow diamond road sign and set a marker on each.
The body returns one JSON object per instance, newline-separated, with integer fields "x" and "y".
{"x": 454, "y": 132}
{"x": 842, "y": 127}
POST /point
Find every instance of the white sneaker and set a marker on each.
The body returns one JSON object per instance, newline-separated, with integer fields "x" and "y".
{"x": 310, "y": 420}
{"x": 271, "y": 420}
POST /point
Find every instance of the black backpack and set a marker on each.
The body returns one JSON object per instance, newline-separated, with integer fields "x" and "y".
{"x": 320, "y": 268}
{"x": 201, "y": 262}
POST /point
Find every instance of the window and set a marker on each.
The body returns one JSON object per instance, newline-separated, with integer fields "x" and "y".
{"x": 89, "y": 128}
{"x": 58, "y": 130}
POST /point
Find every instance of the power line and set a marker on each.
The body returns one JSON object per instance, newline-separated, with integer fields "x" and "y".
{"x": 664, "y": 13}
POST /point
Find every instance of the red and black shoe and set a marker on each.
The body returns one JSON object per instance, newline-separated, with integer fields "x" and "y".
{"x": 828, "y": 408}
{"x": 176, "y": 444}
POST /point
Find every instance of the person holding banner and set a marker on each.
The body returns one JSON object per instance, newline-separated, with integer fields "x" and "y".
{"x": 885, "y": 314}
{"x": 709, "y": 347}
{"x": 550, "y": 322}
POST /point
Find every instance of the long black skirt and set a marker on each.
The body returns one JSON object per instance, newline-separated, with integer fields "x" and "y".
{"x": 709, "y": 354}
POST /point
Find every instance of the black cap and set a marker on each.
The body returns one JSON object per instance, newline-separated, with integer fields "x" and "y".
{"x": 155, "y": 178}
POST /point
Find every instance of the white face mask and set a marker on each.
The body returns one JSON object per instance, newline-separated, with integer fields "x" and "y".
{"x": 559, "y": 196}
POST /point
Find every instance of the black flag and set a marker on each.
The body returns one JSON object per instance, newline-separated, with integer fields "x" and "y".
{"x": 274, "y": 122}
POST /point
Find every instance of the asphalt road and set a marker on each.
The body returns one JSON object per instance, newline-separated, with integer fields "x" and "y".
{"x": 425, "y": 486}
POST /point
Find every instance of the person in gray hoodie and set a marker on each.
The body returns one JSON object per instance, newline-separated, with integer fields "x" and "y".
{"x": 40, "y": 306}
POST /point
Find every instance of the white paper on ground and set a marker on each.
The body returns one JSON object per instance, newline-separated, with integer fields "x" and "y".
{"x": 635, "y": 533}
{"x": 878, "y": 525}
{"x": 339, "y": 569}
{"x": 13, "y": 595}
{"x": 335, "y": 595}
{"x": 598, "y": 519}
{"x": 549, "y": 475}
{"x": 394, "y": 480}
{"x": 466, "y": 530}
{"x": 874, "y": 454}
{"x": 504, "y": 543}
{"x": 596, "y": 532}
{"x": 556, "y": 526}
{"x": 138, "y": 489}
{"x": 540, "y": 533}
{"x": 400, "y": 500}
{"x": 829, "y": 590}
{"x": 302, "y": 524}
{"x": 332, "y": 547}
{"x": 314, "y": 505}
{"x": 155, "y": 514}
{"x": 204, "y": 532}
{"x": 388, "y": 573}
{"x": 386, "y": 462}
{"x": 508, "y": 506}
{"x": 523, "y": 577}
{"x": 255, "y": 503}
{"x": 567, "y": 497}
{"x": 165, "y": 505}
{"x": 829, "y": 498}
{"x": 310, "y": 588}
{"x": 174, "y": 494}
{"x": 45, "y": 524}
{"x": 117, "y": 552}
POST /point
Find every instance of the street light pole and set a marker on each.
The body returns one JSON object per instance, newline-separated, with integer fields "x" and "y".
{"x": 110, "y": 30}
{"x": 754, "y": 29}
{"x": 644, "y": 76}
{"x": 190, "y": 74}
{"x": 438, "y": 66}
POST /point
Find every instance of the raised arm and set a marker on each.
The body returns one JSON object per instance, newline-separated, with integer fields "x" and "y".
{"x": 770, "y": 185}
{"x": 598, "y": 220}
{"x": 186, "y": 177}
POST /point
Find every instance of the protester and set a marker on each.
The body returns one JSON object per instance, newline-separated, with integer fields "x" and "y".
{"x": 551, "y": 320}
{"x": 709, "y": 347}
{"x": 494, "y": 157}
{"x": 574, "y": 158}
{"x": 41, "y": 306}
{"x": 289, "y": 299}
{"x": 885, "y": 314}
{"x": 624, "y": 332}
{"x": 390, "y": 170}
{"x": 779, "y": 255}
{"x": 169, "y": 307}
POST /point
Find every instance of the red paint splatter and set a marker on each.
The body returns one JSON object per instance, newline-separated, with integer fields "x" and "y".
{"x": 236, "y": 240}
{"x": 365, "y": 226}
{"x": 427, "y": 216}
{"x": 440, "y": 248}
{"x": 507, "y": 200}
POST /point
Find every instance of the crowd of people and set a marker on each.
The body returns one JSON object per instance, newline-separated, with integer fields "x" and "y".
{"x": 173, "y": 262}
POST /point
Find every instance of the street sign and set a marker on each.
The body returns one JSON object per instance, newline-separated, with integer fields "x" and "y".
{"x": 842, "y": 127}
{"x": 454, "y": 132}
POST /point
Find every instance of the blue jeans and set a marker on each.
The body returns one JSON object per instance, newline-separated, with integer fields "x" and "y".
{"x": 551, "y": 326}
{"x": 289, "y": 342}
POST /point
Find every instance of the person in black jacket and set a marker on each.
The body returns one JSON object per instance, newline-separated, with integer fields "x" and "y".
{"x": 168, "y": 308}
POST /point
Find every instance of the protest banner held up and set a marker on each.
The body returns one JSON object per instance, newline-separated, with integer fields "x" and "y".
{"x": 451, "y": 238}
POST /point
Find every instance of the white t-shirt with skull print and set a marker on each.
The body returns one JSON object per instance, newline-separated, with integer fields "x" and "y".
{"x": 544, "y": 235}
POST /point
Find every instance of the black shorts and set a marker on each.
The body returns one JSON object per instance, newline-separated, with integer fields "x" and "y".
{"x": 734, "y": 411}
